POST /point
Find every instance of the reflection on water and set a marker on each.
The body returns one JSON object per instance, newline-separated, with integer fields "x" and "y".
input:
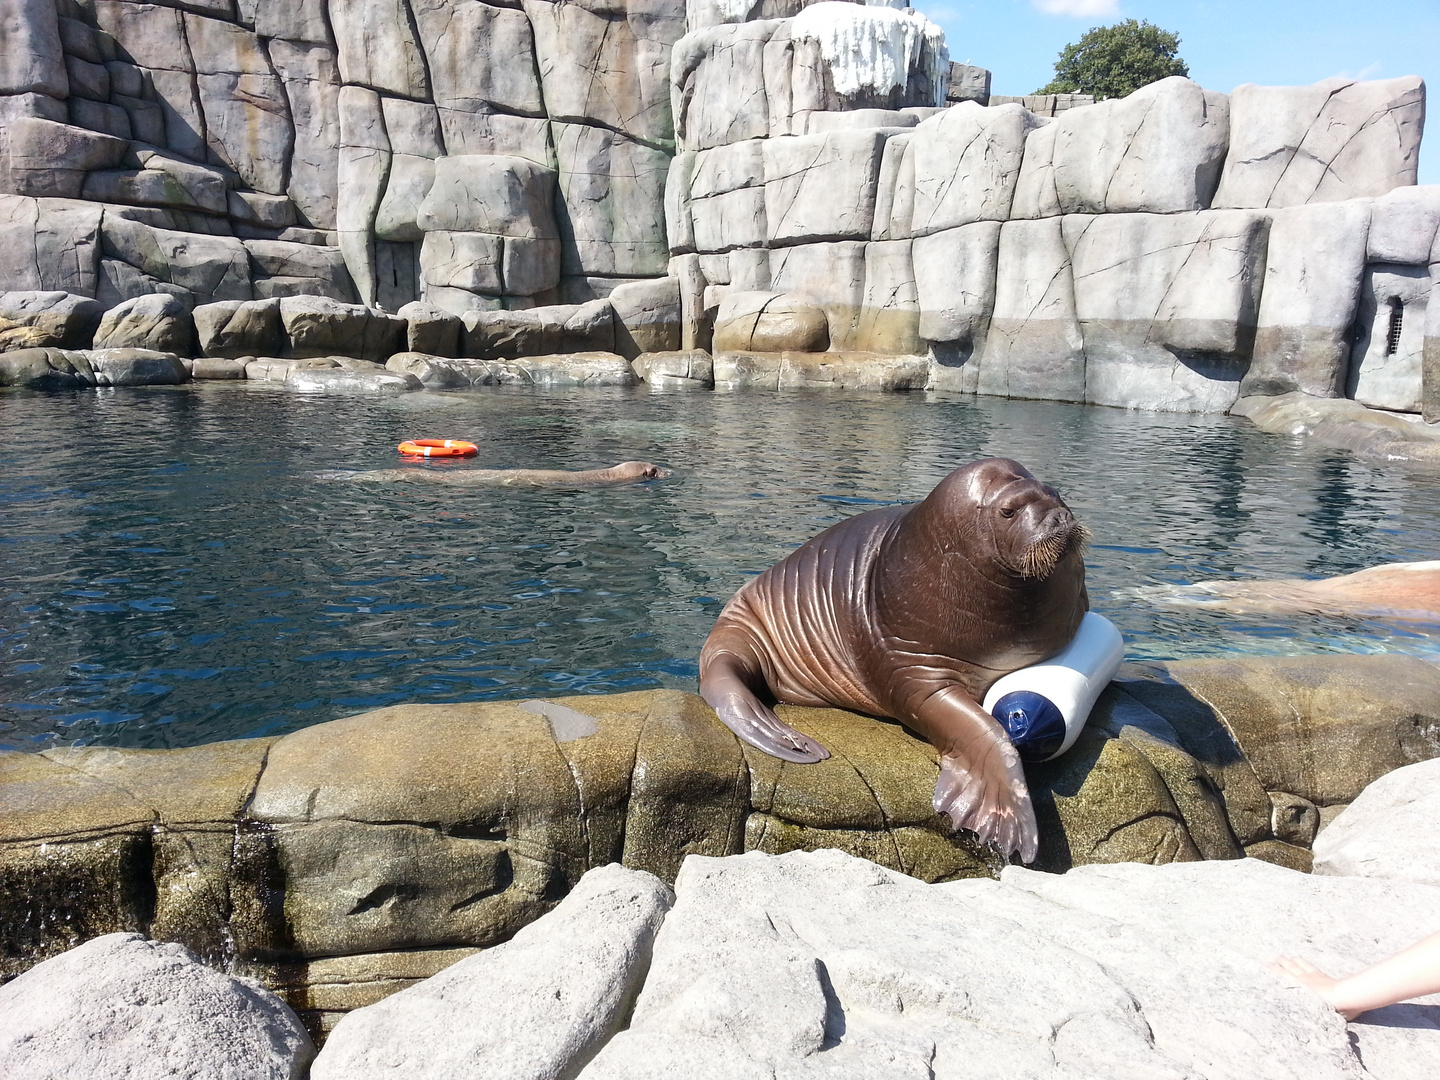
{"x": 172, "y": 572}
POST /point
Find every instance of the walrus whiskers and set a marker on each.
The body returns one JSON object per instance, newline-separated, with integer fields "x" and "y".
{"x": 1043, "y": 555}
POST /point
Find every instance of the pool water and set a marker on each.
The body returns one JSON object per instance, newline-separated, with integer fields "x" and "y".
{"x": 172, "y": 571}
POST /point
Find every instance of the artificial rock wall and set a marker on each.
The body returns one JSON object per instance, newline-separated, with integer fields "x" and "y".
{"x": 792, "y": 167}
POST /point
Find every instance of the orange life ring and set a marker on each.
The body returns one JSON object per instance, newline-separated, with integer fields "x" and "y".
{"x": 438, "y": 448}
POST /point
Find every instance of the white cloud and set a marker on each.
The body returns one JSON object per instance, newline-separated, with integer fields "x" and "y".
{"x": 1079, "y": 9}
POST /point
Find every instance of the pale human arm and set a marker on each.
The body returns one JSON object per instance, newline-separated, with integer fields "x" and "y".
{"x": 1413, "y": 973}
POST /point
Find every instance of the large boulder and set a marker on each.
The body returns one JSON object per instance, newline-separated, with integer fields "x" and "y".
{"x": 1389, "y": 831}
{"x": 235, "y": 328}
{"x": 34, "y": 320}
{"x": 49, "y": 245}
{"x": 376, "y": 47}
{"x": 1167, "y": 305}
{"x": 1158, "y": 150}
{"x": 45, "y": 368}
{"x": 1315, "y": 264}
{"x": 348, "y": 859}
{"x": 804, "y": 173}
{"x": 136, "y": 367}
{"x": 540, "y": 331}
{"x": 647, "y": 316}
{"x": 429, "y": 329}
{"x": 964, "y": 165}
{"x": 769, "y": 322}
{"x": 1338, "y": 139}
{"x": 678, "y": 370}
{"x": 819, "y": 371}
{"x": 608, "y": 64}
{"x": 123, "y": 1006}
{"x": 319, "y": 326}
{"x": 612, "y": 202}
{"x": 822, "y": 964}
{"x": 157, "y": 321}
{"x": 532, "y": 1007}
{"x": 1033, "y": 347}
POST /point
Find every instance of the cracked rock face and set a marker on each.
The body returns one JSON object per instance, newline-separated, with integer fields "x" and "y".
{"x": 1338, "y": 139}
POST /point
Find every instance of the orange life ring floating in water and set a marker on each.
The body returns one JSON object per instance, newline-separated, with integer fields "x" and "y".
{"x": 438, "y": 448}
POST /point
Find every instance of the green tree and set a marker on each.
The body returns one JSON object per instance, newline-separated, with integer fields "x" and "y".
{"x": 1112, "y": 61}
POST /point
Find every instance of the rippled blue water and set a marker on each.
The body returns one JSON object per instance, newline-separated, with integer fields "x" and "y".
{"x": 173, "y": 572}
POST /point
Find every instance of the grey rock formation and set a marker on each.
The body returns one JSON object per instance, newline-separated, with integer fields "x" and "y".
{"x": 819, "y": 371}
{"x": 536, "y": 1006}
{"x": 965, "y": 163}
{"x": 1338, "y": 139}
{"x": 136, "y": 367}
{"x": 31, "y": 60}
{"x": 1388, "y": 352}
{"x": 801, "y": 174}
{"x": 318, "y": 326}
{"x": 611, "y": 207}
{"x": 1167, "y": 305}
{"x": 822, "y": 964}
{"x": 1310, "y": 299}
{"x": 429, "y": 329}
{"x": 235, "y": 328}
{"x": 1034, "y": 347}
{"x": 1159, "y": 150}
{"x": 341, "y": 381}
{"x": 769, "y": 322}
{"x": 156, "y": 321}
{"x": 679, "y": 370}
{"x": 1389, "y": 831}
{"x": 540, "y": 331}
{"x": 608, "y": 64}
{"x": 123, "y": 1006}
{"x": 647, "y": 317}
{"x": 30, "y": 320}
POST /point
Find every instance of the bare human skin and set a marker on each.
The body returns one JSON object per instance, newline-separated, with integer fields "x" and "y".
{"x": 912, "y": 612}
{"x": 1412, "y": 973}
{"x": 627, "y": 472}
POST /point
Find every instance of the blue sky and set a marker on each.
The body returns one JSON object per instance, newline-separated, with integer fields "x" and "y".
{"x": 1225, "y": 42}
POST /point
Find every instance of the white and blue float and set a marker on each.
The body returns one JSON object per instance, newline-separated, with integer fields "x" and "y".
{"x": 1044, "y": 707}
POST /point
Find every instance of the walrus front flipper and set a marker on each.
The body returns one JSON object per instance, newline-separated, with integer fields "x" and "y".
{"x": 982, "y": 785}
{"x": 725, "y": 686}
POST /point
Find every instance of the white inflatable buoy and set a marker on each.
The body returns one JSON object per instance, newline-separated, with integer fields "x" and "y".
{"x": 1044, "y": 707}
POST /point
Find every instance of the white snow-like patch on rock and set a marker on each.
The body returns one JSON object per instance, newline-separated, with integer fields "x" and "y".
{"x": 873, "y": 48}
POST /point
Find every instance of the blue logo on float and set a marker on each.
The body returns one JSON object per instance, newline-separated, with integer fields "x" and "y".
{"x": 1033, "y": 722}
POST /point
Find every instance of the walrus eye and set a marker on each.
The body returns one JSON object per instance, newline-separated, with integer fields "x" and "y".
{"x": 1007, "y": 511}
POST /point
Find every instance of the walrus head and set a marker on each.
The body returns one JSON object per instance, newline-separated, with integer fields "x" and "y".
{"x": 1021, "y": 523}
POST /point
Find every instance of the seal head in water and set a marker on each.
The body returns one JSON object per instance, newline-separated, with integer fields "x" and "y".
{"x": 912, "y": 612}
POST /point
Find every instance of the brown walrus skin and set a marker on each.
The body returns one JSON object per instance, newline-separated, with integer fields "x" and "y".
{"x": 912, "y": 612}
{"x": 627, "y": 472}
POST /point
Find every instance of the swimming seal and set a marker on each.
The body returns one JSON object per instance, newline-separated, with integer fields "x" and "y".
{"x": 911, "y": 612}
{"x": 627, "y": 472}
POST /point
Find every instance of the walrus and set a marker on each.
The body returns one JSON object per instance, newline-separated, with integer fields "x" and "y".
{"x": 627, "y": 472}
{"x": 1407, "y": 592}
{"x": 911, "y": 612}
